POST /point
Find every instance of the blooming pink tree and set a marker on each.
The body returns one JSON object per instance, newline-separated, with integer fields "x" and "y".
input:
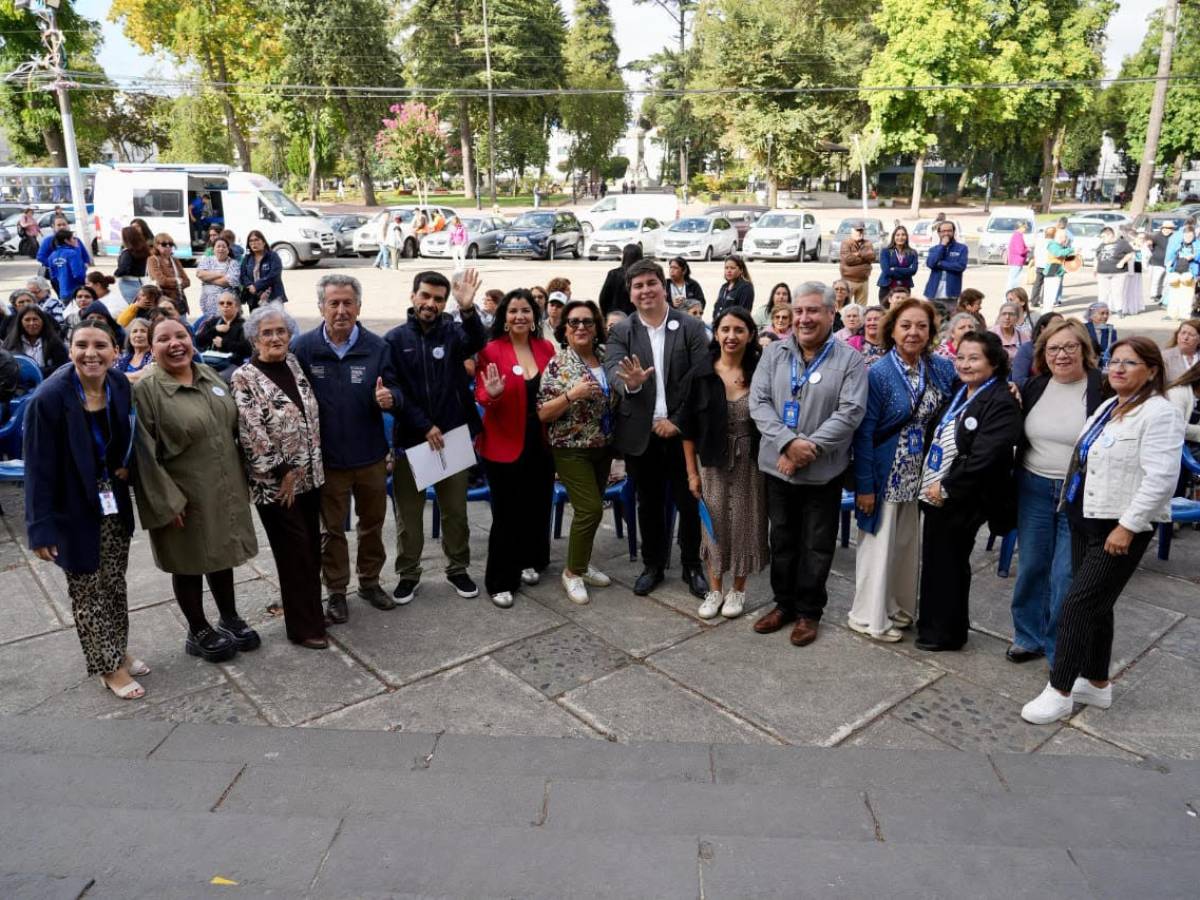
{"x": 412, "y": 145}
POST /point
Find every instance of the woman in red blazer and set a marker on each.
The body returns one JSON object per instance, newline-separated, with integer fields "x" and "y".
{"x": 520, "y": 469}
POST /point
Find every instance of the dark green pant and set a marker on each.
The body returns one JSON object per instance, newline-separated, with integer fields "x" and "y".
{"x": 583, "y": 471}
{"x": 409, "y": 504}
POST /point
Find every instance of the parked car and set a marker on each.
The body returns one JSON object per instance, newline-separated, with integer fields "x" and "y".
{"x": 742, "y": 215}
{"x": 924, "y": 235}
{"x": 607, "y": 241}
{"x": 664, "y": 207}
{"x": 544, "y": 234}
{"x": 1085, "y": 236}
{"x": 783, "y": 234}
{"x": 366, "y": 239}
{"x": 873, "y": 232}
{"x": 1111, "y": 217}
{"x": 45, "y": 219}
{"x": 483, "y": 238}
{"x": 699, "y": 237}
{"x": 1154, "y": 221}
{"x": 995, "y": 233}
{"x": 344, "y": 225}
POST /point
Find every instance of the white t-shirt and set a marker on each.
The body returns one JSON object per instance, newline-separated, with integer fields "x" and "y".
{"x": 1053, "y": 426}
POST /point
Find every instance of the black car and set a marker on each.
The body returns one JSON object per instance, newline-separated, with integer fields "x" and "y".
{"x": 344, "y": 226}
{"x": 545, "y": 234}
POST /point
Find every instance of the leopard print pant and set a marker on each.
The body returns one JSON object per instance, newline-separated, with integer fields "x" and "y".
{"x": 100, "y": 604}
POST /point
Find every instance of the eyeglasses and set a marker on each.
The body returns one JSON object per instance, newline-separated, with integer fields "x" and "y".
{"x": 1063, "y": 349}
{"x": 166, "y": 243}
{"x": 1124, "y": 364}
{"x": 581, "y": 323}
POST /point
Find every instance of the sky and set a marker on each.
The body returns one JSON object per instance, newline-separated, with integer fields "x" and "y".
{"x": 640, "y": 30}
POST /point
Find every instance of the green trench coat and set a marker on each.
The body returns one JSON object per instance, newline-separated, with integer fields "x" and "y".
{"x": 188, "y": 462}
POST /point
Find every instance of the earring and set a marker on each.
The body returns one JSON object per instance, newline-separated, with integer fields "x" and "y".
{"x": 506, "y": 327}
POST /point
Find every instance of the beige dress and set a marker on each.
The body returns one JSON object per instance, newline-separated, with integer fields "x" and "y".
{"x": 736, "y": 496}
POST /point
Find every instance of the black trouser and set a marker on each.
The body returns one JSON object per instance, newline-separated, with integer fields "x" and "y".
{"x": 294, "y": 534}
{"x": 1035, "y": 295}
{"x": 522, "y": 492}
{"x": 1085, "y": 626}
{"x": 189, "y": 594}
{"x": 947, "y": 539}
{"x": 804, "y": 527}
{"x": 659, "y": 464}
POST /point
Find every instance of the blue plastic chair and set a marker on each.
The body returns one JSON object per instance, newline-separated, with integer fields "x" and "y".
{"x": 624, "y": 506}
{"x": 1183, "y": 509}
{"x": 30, "y": 375}
{"x": 12, "y": 432}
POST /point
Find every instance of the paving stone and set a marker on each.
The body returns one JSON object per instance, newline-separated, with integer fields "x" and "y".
{"x": 635, "y": 704}
{"x": 116, "y": 783}
{"x": 1118, "y": 874}
{"x": 1175, "y": 591}
{"x": 1156, "y": 709}
{"x": 82, "y": 737}
{"x": 1183, "y": 640}
{"x": 855, "y": 767}
{"x": 982, "y": 662}
{"x": 1073, "y": 742}
{"x": 574, "y": 759}
{"x": 1185, "y": 555}
{"x": 637, "y": 625}
{"x": 219, "y": 705}
{"x": 11, "y": 555}
{"x": 480, "y": 697}
{"x": 291, "y": 685}
{"x": 26, "y": 610}
{"x": 792, "y": 869}
{"x": 971, "y": 717}
{"x": 559, "y": 660}
{"x": 34, "y": 670}
{"x": 188, "y": 848}
{"x": 437, "y": 630}
{"x": 367, "y": 861}
{"x": 991, "y": 603}
{"x": 1136, "y": 626}
{"x": 889, "y": 733}
{"x": 811, "y": 695}
{"x": 738, "y": 809}
{"x": 328, "y": 747}
{"x": 43, "y": 887}
{"x": 675, "y": 594}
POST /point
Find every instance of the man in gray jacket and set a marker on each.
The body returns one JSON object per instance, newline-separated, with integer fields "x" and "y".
{"x": 808, "y": 395}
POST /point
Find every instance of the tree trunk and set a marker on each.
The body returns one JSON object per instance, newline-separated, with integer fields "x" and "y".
{"x": 1158, "y": 104}
{"x": 313, "y": 162}
{"x": 772, "y": 192}
{"x": 965, "y": 176}
{"x": 52, "y": 137}
{"x": 914, "y": 207}
{"x": 235, "y": 130}
{"x": 1049, "y": 170}
{"x": 1180, "y": 165}
{"x": 468, "y": 151}
{"x": 363, "y": 165}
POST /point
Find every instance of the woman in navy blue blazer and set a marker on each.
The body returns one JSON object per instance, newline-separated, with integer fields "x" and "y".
{"x": 78, "y": 438}
{"x": 897, "y": 264}
{"x": 261, "y": 273}
{"x": 906, "y": 388}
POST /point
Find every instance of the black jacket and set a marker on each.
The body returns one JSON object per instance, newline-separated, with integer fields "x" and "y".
{"x": 233, "y": 341}
{"x": 691, "y": 291}
{"x": 706, "y": 420}
{"x": 270, "y": 277}
{"x": 741, "y": 294}
{"x": 430, "y": 375}
{"x": 615, "y": 293}
{"x": 1036, "y": 386}
{"x": 129, "y": 266}
{"x": 979, "y": 482}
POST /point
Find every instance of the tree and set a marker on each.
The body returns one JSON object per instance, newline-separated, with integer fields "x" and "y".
{"x": 693, "y": 138}
{"x": 769, "y": 51}
{"x": 136, "y": 125}
{"x": 230, "y": 44}
{"x": 673, "y": 67}
{"x": 195, "y": 126}
{"x": 596, "y": 121}
{"x": 412, "y": 145}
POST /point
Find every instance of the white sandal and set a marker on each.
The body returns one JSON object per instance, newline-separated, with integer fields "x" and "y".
{"x": 131, "y": 691}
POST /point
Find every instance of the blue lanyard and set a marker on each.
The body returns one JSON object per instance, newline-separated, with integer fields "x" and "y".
{"x": 961, "y": 401}
{"x": 97, "y": 435}
{"x": 914, "y": 394}
{"x": 1093, "y": 434}
{"x": 798, "y": 380}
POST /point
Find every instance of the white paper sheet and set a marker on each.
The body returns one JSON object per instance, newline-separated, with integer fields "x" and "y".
{"x": 430, "y": 466}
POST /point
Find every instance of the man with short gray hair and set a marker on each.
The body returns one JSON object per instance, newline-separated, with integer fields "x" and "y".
{"x": 808, "y": 395}
{"x": 350, "y": 370}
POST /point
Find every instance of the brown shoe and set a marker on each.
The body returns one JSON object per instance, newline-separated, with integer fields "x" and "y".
{"x": 804, "y": 632}
{"x": 773, "y": 621}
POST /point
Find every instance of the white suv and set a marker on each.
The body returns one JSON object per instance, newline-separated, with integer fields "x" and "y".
{"x": 783, "y": 234}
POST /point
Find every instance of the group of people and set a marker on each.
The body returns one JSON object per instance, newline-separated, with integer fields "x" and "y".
{"x": 754, "y": 444}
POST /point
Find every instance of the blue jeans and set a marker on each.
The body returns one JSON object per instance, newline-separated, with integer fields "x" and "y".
{"x": 382, "y": 257}
{"x": 1014, "y": 276}
{"x": 1044, "y": 568}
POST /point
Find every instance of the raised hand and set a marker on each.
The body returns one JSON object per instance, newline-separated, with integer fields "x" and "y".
{"x": 493, "y": 381}
{"x": 465, "y": 287}
{"x": 630, "y": 371}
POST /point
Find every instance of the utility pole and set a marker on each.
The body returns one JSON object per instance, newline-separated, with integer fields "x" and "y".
{"x": 53, "y": 63}
{"x": 487, "y": 57}
{"x": 1157, "y": 106}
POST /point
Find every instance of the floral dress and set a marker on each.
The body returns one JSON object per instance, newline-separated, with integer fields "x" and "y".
{"x": 904, "y": 478}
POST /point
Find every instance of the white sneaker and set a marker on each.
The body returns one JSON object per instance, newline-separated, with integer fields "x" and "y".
{"x": 1049, "y": 706}
{"x": 891, "y": 636}
{"x": 901, "y": 619}
{"x": 530, "y": 576}
{"x": 596, "y": 578}
{"x": 735, "y": 602}
{"x": 1083, "y": 691}
{"x": 504, "y": 599}
{"x": 576, "y": 589}
{"x": 711, "y": 605}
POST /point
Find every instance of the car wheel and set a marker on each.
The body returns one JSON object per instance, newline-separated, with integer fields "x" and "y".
{"x": 409, "y": 250}
{"x": 800, "y": 254}
{"x": 816, "y": 257}
{"x": 473, "y": 252}
{"x": 578, "y": 251}
{"x": 288, "y": 257}
{"x": 708, "y": 254}
{"x": 552, "y": 251}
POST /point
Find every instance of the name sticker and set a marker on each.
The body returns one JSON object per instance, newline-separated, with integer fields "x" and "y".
{"x": 439, "y": 352}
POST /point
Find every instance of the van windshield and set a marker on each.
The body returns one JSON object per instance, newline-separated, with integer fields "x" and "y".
{"x": 283, "y": 203}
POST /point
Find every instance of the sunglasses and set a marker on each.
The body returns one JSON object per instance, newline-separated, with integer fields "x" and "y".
{"x": 581, "y": 323}
{"x": 166, "y": 243}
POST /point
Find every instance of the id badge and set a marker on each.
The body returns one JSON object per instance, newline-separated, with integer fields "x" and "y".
{"x": 108, "y": 503}
{"x": 791, "y": 414}
{"x": 915, "y": 441}
{"x": 935, "y": 457}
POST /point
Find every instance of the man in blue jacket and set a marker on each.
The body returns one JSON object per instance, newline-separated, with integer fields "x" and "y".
{"x": 947, "y": 260}
{"x": 427, "y": 353}
{"x": 350, "y": 370}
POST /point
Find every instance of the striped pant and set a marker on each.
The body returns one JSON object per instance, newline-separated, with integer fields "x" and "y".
{"x": 1085, "y": 628}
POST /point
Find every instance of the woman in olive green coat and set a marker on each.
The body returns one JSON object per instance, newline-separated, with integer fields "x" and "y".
{"x": 191, "y": 488}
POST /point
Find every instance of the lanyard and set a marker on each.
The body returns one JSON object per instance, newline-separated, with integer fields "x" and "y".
{"x": 97, "y": 436}
{"x": 915, "y": 394}
{"x": 961, "y": 401}
{"x": 798, "y": 380}
{"x": 1093, "y": 433}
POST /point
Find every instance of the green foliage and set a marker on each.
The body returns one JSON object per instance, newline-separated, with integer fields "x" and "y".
{"x": 412, "y": 145}
{"x": 595, "y": 121}
{"x": 196, "y": 129}
{"x": 616, "y": 167}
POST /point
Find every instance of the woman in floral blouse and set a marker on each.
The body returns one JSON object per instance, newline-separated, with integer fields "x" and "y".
{"x": 280, "y": 434}
{"x": 576, "y": 404}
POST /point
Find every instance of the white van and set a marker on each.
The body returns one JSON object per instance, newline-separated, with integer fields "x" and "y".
{"x": 996, "y": 232}
{"x": 241, "y": 201}
{"x": 664, "y": 207}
